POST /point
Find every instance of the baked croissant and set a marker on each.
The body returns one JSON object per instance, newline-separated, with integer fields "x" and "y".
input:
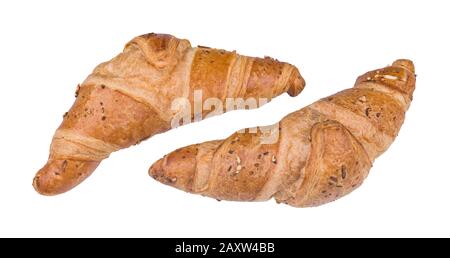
{"x": 323, "y": 152}
{"x": 130, "y": 98}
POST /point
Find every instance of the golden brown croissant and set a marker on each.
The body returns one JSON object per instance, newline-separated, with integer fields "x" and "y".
{"x": 324, "y": 151}
{"x": 130, "y": 98}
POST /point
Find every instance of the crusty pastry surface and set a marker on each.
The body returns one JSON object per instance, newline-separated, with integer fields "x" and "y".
{"x": 324, "y": 151}
{"x": 130, "y": 97}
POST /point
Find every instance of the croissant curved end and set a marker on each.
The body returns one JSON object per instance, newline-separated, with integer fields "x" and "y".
{"x": 176, "y": 169}
{"x": 405, "y": 63}
{"x": 59, "y": 176}
{"x": 296, "y": 83}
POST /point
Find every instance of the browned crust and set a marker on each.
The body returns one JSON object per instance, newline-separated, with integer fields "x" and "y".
{"x": 324, "y": 152}
{"x": 336, "y": 165}
{"x": 182, "y": 181}
{"x": 381, "y": 111}
{"x": 209, "y": 72}
{"x": 111, "y": 116}
{"x": 61, "y": 175}
{"x": 401, "y": 69}
{"x": 241, "y": 167}
{"x": 265, "y": 71}
{"x": 106, "y": 115}
{"x": 127, "y": 100}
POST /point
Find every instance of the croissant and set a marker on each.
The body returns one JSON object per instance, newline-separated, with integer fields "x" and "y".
{"x": 323, "y": 152}
{"x": 131, "y": 98}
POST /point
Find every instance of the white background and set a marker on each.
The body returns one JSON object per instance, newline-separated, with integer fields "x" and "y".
{"x": 47, "y": 47}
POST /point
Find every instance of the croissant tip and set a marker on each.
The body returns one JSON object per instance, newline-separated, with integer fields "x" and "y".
{"x": 296, "y": 83}
{"x": 59, "y": 176}
{"x": 38, "y": 186}
{"x": 405, "y": 63}
{"x": 155, "y": 169}
{"x": 176, "y": 169}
